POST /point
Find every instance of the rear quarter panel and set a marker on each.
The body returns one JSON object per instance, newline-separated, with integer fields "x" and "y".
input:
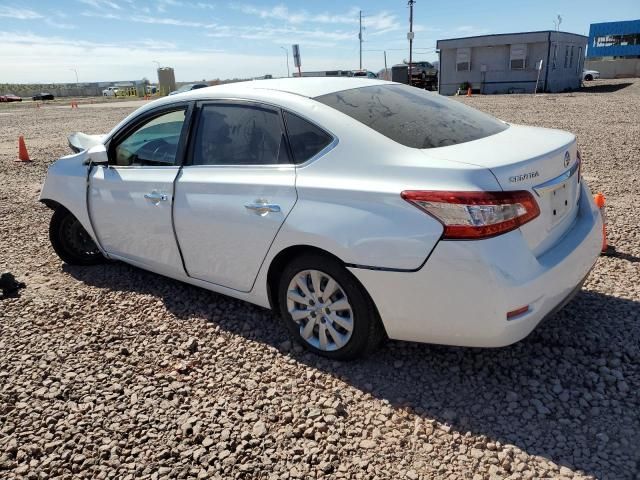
{"x": 349, "y": 201}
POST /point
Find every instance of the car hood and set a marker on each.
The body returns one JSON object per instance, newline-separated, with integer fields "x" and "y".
{"x": 79, "y": 141}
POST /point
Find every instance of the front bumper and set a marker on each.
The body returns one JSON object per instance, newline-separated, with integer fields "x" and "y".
{"x": 463, "y": 292}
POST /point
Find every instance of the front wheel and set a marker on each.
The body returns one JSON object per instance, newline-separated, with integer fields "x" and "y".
{"x": 71, "y": 241}
{"x": 326, "y": 309}
{"x": 588, "y": 78}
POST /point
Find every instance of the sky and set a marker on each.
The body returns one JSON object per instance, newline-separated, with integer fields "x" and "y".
{"x": 48, "y": 41}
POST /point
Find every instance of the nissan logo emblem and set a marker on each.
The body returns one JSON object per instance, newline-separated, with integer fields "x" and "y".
{"x": 567, "y": 159}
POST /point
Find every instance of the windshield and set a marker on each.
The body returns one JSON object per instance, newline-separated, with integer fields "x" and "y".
{"x": 413, "y": 117}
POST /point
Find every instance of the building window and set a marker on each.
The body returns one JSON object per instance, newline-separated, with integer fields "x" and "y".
{"x": 579, "y": 60}
{"x": 566, "y": 56}
{"x": 571, "y": 58}
{"x": 555, "y": 55}
{"x": 518, "y": 56}
{"x": 617, "y": 40}
{"x": 463, "y": 59}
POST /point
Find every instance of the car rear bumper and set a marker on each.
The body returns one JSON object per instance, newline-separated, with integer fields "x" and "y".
{"x": 463, "y": 292}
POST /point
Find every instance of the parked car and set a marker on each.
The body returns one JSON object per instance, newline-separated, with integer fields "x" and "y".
{"x": 42, "y": 96}
{"x": 110, "y": 92}
{"x": 188, "y": 87}
{"x": 10, "y": 97}
{"x": 588, "y": 75}
{"x": 364, "y": 73}
{"x": 355, "y": 208}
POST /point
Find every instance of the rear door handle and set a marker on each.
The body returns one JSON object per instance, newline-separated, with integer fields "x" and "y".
{"x": 156, "y": 197}
{"x": 262, "y": 207}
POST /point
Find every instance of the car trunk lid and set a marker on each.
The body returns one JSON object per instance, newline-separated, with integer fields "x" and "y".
{"x": 541, "y": 161}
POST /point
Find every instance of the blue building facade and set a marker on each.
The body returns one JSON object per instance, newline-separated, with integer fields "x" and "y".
{"x": 614, "y": 39}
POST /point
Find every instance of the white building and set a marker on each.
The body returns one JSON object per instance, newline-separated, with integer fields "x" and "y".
{"x": 508, "y": 63}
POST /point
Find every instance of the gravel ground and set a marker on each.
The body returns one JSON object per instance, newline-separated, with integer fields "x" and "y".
{"x": 113, "y": 372}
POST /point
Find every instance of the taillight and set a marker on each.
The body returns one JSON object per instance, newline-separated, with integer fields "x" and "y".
{"x": 475, "y": 215}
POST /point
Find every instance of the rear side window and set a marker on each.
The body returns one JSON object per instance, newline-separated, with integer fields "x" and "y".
{"x": 239, "y": 135}
{"x": 306, "y": 139}
{"x": 413, "y": 117}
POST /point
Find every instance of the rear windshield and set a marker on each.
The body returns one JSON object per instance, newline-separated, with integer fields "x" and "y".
{"x": 413, "y": 117}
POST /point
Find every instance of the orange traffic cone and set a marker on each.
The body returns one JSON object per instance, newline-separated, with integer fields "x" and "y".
{"x": 600, "y": 199}
{"x": 23, "y": 155}
{"x": 469, "y": 92}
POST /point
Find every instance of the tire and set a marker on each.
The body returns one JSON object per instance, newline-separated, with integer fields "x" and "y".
{"x": 71, "y": 241}
{"x": 588, "y": 78}
{"x": 351, "y": 332}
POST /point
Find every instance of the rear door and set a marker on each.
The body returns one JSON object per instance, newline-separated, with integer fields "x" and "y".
{"x": 234, "y": 193}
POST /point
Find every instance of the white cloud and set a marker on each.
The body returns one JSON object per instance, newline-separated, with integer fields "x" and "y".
{"x": 58, "y": 24}
{"x": 31, "y": 58}
{"x": 286, "y": 35}
{"x": 102, "y": 4}
{"x": 381, "y": 21}
{"x": 149, "y": 20}
{"x": 18, "y": 13}
{"x": 203, "y": 5}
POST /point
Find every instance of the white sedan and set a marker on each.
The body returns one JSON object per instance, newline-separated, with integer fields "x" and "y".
{"x": 355, "y": 208}
{"x": 588, "y": 75}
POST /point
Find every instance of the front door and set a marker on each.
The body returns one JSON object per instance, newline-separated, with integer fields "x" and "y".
{"x": 233, "y": 193}
{"x": 130, "y": 201}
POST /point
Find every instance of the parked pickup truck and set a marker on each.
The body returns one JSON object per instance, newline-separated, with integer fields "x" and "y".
{"x": 110, "y": 92}
{"x": 425, "y": 75}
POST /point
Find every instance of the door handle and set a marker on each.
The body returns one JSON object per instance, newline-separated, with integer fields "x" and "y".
{"x": 262, "y": 207}
{"x": 156, "y": 197}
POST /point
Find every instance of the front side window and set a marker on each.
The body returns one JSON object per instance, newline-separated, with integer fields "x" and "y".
{"x": 154, "y": 144}
{"x": 413, "y": 117}
{"x": 306, "y": 139}
{"x": 239, "y": 135}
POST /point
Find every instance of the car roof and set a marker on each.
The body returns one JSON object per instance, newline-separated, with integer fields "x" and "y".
{"x": 307, "y": 86}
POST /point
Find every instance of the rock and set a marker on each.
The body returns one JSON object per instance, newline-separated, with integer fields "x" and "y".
{"x": 207, "y": 442}
{"x": 259, "y": 429}
{"x": 367, "y": 444}
{"x": 191, "y": 345}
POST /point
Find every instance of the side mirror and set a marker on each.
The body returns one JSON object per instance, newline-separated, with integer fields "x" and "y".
{"x": 97, "y": 155}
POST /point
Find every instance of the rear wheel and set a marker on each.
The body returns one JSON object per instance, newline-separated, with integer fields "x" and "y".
{"x": 71, "y": 241}
{"x": 326, "y": 309}
{"x": 588, "y": 77}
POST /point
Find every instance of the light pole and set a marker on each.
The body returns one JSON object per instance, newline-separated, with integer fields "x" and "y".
{"x": 287, "y": 53}
{"x": 76, "y": 71}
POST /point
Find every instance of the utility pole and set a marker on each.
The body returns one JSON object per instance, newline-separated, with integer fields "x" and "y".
{"x": 76, "y": 72}
{"x": 360, "y": 38}
{"x": 410, "y": 37}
